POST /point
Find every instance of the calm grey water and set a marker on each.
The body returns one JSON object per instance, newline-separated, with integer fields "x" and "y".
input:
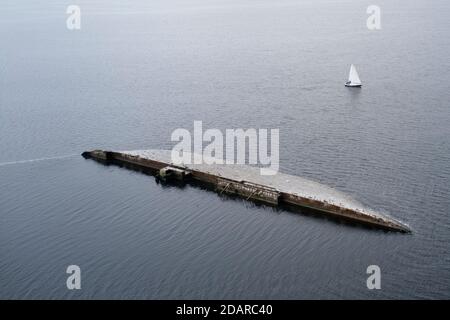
{"x": 137, "y": 70}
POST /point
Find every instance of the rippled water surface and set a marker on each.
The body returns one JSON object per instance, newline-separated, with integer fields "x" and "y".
{"x": 138, "y": 70}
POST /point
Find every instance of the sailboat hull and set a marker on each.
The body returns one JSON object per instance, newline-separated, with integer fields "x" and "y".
{"x": 354, "y": 85}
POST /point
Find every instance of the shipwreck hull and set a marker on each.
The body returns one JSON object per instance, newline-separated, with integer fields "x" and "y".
{"x": 281, "y": 190}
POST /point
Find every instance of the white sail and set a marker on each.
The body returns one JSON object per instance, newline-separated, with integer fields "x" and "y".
{"x": 353, "y": 77}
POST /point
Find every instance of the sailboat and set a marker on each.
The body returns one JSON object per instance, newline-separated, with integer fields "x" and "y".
{"x": 353, "y": 78}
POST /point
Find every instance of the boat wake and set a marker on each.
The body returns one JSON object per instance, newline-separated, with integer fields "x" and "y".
{"x": 35, "y": 160}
